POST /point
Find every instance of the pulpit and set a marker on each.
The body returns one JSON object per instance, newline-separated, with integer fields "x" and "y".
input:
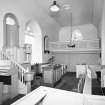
{"x": 28, "y": 76}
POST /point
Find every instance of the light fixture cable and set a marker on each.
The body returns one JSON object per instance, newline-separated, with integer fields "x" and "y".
{"x": 71, "y": 38}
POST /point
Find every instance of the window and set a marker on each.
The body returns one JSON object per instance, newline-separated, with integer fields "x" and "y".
{"x": 33, "y": 36}
{"x": 77, "y": 35}
{"x": 11, "y": 31}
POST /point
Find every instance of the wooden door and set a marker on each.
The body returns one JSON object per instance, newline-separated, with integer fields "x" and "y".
{"x": 12, "y": 37}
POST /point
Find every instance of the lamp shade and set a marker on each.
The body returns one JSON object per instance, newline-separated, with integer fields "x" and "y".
{"x": 54, "y": 7}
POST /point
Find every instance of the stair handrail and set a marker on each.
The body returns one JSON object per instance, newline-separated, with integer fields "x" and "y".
{"x": 13, "y": 61}
{"x": 21, "y": 70}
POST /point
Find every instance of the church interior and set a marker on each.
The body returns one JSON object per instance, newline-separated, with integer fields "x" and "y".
{"x": 52, "y": 53}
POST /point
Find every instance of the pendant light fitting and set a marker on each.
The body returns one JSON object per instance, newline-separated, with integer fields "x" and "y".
{"x": 54, "y": 7}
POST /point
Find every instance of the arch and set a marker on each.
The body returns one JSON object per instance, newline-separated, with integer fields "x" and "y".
{"x": 11, "y": 15}
{"x": 33, "y": 35}
{"x": 11, "y": 31}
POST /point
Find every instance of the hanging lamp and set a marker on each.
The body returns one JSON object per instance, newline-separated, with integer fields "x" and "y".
{"x": 54, "y": 7}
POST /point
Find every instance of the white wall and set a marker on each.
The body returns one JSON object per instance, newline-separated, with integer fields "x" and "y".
{"x": 84, "y": 12}
{"x": 12, "y": 7}
{"x": 81, "y": 13}
{"x": 97, "y": 14}
{"x": 50, "y": 25}
{"x": 72, "y": 59}
{"x": 20, "y": 9}
{"x": 87, "y": 31}
{"x": 103, "y": 36}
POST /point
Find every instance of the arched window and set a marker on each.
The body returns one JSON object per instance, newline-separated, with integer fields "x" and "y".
{"x": 11, "y": 31}
{"x": 33, "y": 36}
{"x": 77, "y": 35}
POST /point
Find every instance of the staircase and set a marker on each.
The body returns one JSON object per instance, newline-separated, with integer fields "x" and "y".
{"x": 5, "y": 67}
{"x": 9, "y": 66}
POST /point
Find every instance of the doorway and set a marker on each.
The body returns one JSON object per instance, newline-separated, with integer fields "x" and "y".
{"x": 33, "y": 36}
{"x": 11, "y": 31}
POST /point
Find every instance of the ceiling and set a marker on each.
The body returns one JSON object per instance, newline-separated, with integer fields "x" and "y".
{"x": 81, "y": 11}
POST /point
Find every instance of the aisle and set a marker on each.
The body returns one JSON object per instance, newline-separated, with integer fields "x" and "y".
{"x": 68, "y": 82}
{"x": 96, "y": 87}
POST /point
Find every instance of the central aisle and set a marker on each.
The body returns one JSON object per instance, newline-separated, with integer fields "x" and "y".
{"x": 68, "y": 82}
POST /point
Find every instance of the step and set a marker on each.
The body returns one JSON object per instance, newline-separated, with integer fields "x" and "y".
{"x": 4, "y": 68}
{"x": 4, "y": 71}
{"x": 4, "y": 74}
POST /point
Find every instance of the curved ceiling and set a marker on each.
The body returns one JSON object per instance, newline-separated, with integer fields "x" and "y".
{"x": 81, "y": 10}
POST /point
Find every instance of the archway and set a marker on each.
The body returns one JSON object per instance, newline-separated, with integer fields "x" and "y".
{"x": 11, "y": 31}
{"x": 33, "y": 35}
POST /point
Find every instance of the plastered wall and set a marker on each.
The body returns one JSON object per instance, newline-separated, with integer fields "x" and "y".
{"x": 50, "y": 25}
{"x": 23, "y": 13}
{"x": 103, "y": 36}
